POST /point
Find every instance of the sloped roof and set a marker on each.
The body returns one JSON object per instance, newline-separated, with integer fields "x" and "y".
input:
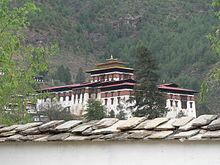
{"x": 205, "y": 127}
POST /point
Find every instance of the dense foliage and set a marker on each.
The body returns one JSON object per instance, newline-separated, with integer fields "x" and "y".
{"x": 55, "y": 111}
{"x": 95, "y": 110}
{"x": 148, "y": 100}
{"x": 80, "y": 77}
{"x": 62, "y": 75}
{"x": 175, "y": 31}
{"x": 19, "y": 63}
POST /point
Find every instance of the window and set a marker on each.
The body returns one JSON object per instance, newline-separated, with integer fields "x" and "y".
{"x": 184, "y": 102}
{"x": 119, "y": 93}
{"x": 171, "y": 103}
{"x": 106, "y": 101}
{"x": 112, "y": 101}
{"x": 119, "y": 99}
{"x": 70, "y": 98}
{"x": 79, "y": 96}
{"x": 112, "y": 94}
{"x": 45, "y": 99}
{"x": 176, "y": 102}
{"x": 191, "y": 104}
{"x": 90, "y": 95}
{"x": 106, "y": 94}
{"x": 64, "y": 98}
{"x": 96, "y": 95}
{"x": 112, "y": 77}
{"x": 82, "y": 97}
{"x": 74, "y": 98}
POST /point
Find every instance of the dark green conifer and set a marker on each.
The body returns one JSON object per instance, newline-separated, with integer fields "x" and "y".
{"x": 149, "y": 101}
{"x": 80, "y": 77}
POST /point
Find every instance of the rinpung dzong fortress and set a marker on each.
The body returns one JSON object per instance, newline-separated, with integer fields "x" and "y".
{"x": 112, "y": 83}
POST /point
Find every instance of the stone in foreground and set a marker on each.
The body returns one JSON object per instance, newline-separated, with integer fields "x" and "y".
{"x": 67, "y": 125}
{"x": 151, "y": 124}
{"x": 131, "y": 123}
{"x": 50, "y": 125}
{"x": 106, "y": 122}
{"x": 203, "y": 120}
{"x": 160, "y": 135}
{"x": 186, "y": 134}
{"x": 214, "y": 125}
{"x": 182, "y": 121}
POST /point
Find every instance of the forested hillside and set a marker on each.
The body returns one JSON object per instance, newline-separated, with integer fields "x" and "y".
{"x": 88, "y": 31}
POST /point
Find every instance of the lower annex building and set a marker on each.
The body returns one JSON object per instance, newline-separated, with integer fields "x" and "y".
{"x": 112, "y": 83}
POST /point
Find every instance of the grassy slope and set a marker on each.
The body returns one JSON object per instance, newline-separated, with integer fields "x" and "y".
{"x": 88, "y": 31}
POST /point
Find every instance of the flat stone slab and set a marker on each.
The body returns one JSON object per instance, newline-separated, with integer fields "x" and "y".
{"x": 166, "y": 126}
{"x": 88, "y": 131}
{"x": 42, "y": 139}
{"x": 159, "y": 135}
{"x": 140, "y": 134}
{"x": 214, "y": 125}
{"x": 50, "y": 125}
{"x": 5, "y": 134}
{"x": 198, "y": 136}
{"x": 67, "y": 125}
{"x": 82, "y": 127}
{"x": 185, "y": 134}
{"x": 211, "y": 134}
{"x": 31, "y": 137}
{"x": 26, "y": 126}
{"x": 203, "y": 120}
{"x": 14, "y": 138}
{"x": 9, "y": 128}
{"x": 188, "y": 126}
{"x": 58, "y": 137}
{"x": 111, "y": 129}
{"x": 151, "y": 124}
{"x": 182, "y": 121}
{"x": 131, "y": 123}
{"x": 80, "y": 138}
{"x": 31, "y": 131}
{"x": 106, "y": 122}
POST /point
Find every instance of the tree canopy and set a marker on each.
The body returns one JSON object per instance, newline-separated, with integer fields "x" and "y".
{"x": 95, "y": 110}
{"x": 19, "y": 62}
{"x": 148, "y": 100}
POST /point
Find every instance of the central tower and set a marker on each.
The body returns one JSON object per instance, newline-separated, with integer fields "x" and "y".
{"x": 111, "y": 70}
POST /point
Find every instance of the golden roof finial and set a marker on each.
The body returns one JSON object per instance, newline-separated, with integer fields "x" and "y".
{"x": 111, "y": 57}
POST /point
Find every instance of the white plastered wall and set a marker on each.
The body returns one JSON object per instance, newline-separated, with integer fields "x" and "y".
{"x": 111, "y": 153}
{"x": 175, "y": 110}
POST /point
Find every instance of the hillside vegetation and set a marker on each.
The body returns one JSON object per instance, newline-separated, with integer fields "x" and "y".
{"x": 89, "y": 31}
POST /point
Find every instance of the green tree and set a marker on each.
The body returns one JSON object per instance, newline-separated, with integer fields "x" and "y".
{"x": 55, "y": 111}
{"x": 19, "y": 62}
{"x": 80, "y": 77}
{"x": 63, "y": 75}
{"x": 95, "y": 110}
{"x": 148, "y": 100}
{"x": 112, "y": 114}
{"x": 212, "y": 80}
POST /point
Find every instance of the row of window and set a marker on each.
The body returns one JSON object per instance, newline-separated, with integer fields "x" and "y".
{"x": 183, "y": 104}
{"x": 75, "y": 97}
{"x": 107, "y": 77}
{"x": 112, "y": 100}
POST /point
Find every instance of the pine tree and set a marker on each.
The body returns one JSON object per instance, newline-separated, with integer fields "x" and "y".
{"x": 63, "y": 75}
{"x": 95, "y": 110}
{"x": 149, "y": 101}
{"x": 80, "y": 77}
